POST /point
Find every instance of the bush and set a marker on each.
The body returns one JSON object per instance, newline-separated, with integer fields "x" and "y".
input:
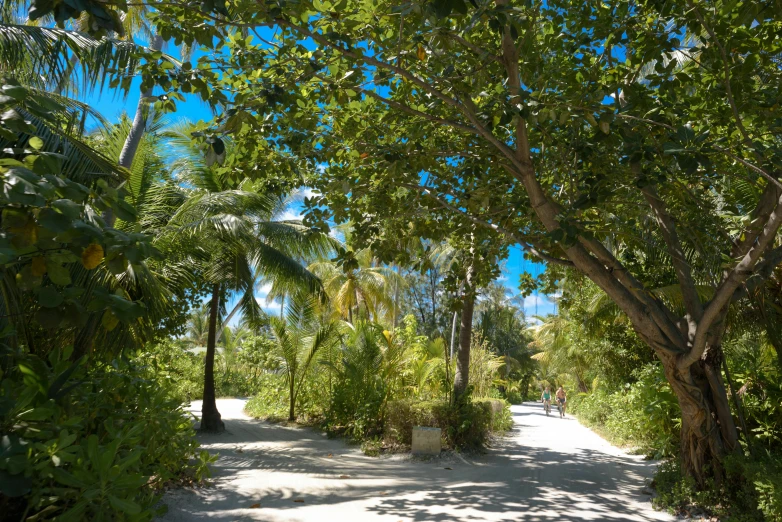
{"x": 172, "y": 365}
{"x": 464, "y": 425}
{"x": 751, "y": 491}
{"x": 270, "y": 401}
{"x": 92, "y": 443}
{"x": 644, "y": 414}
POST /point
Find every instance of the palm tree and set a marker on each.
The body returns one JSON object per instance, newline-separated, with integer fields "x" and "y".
{"x": 365, "y": 284}
{"x": 230, "y": 229}
{"x": 231, "y": 341}
{"x": 553, "y": 340}
{"x": 197, "y": 326}
{"x": 300, "y": 337}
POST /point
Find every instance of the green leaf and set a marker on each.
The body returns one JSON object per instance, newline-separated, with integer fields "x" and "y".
{"x": 67, "y": 479}
{"x": 58, "y": 274}
{"x": 35, "y": 142}
{"x": 49, "y": 297}
{"x": 126, "y": 506}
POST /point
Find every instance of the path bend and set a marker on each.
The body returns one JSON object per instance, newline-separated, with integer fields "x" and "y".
{"x": 547, "y": 469}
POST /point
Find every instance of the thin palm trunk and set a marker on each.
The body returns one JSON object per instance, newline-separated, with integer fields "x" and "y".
{"x": 139, "y": 120}
{"x": 211, "y": 420}
{"x": 292, "y": 407}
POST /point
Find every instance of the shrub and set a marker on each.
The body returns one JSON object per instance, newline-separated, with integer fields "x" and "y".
{"x": 92, "y": 443}
{"x": 751, "y": 490}
{"x": 643, "y": 414}
{"x": 172, "y": 365}
{"x": 464, "y": 425}
{"x": 402, "y": 415}
{"x": 270, "y": 401}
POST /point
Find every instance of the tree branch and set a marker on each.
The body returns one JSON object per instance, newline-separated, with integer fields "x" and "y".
{"x": 727, "y": 288}
{"x": 521, "y": 241}
{"x": 692, "y": 301}
{"x": 762, "y": 272}
{"x": 409, "y": 110}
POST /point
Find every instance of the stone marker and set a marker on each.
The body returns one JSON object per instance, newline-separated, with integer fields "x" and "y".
{"x": 426, "y": 441}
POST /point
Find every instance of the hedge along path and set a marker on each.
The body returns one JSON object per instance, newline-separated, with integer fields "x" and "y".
{"x": 546, "y": 469}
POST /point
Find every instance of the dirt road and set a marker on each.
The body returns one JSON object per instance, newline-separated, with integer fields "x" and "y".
{"x": 547, "y": 469}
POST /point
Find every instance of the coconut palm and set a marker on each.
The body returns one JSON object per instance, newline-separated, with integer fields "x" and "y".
{"x": 198, "y": 326}
{"x": 366, "y": 284}
{"x": 229, "y": 230}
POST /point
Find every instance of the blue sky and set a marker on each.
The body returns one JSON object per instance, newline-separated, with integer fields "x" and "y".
{"x": 111, "y": 106}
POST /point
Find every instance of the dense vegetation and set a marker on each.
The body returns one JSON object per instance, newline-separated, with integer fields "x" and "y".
{"x": 634, "y": 148}
{"x": 618, "y": 389}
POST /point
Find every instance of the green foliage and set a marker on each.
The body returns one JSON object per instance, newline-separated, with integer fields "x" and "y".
{"x": 367, "y": 374}
{"x": 751, "y": 490}
{"x": 174, "y": 367}
{"x": 271, "y": 402}
{"x": 484, "y": 366}
{"x": 465, "y": 425}
{"x": 93, "y": 443}
{"x": 644, "y": 414}
{"x": 59, "y": 255}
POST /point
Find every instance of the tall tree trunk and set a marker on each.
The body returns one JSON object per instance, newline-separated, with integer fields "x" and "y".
{"x": 708, "y": 431}
{"x": 462, "y": 377}
{"x": 139, "y": 120}
{"x": 211, "y": 421}
{"x": 136, "y": 132}
{"x": 396, "y": 298}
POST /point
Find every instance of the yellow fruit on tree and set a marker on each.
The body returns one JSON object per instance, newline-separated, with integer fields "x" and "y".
{"x": 92, "y": 256}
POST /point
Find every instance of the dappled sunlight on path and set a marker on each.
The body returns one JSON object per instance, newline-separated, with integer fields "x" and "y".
{"x": 547, "y": 469}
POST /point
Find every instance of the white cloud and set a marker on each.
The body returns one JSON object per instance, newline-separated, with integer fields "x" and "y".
{"x": 537, "y": 305}
{"x": 262, "y": 292}
{"x": 308, "y": 192}
{"x": 290, "y": 215}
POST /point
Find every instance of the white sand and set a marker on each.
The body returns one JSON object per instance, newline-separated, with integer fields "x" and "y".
{"x": 547, "y": 469}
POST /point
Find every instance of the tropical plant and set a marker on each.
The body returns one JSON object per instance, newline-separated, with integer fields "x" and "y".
{"x": 361, "y": 283}
{"x": 300, "y": 338}
{"x": 370, "y": 370}
{"x": 230, "y": 227}
{"x": 198, "y": 326}
{"x": 528, "y": 148}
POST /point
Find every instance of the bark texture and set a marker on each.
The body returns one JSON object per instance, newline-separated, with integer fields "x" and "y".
{"x": 211, "y": 420}
{"x": 462, "y": 377}
{"x": 139, "y": 120}
{"x": 708, "y": 431}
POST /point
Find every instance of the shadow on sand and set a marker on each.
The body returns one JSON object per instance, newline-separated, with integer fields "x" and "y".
{"x": 510, "y": 482}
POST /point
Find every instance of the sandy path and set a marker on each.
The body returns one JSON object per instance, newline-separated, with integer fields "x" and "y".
{"x": 547, "y": 469}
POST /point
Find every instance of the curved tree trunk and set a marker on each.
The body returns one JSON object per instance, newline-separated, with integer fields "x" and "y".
{"x": 708, "y": 431}
{"x": 462, "y": 377}
{"x": 211, "y": 420}
{"x": 139, "y": 120}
